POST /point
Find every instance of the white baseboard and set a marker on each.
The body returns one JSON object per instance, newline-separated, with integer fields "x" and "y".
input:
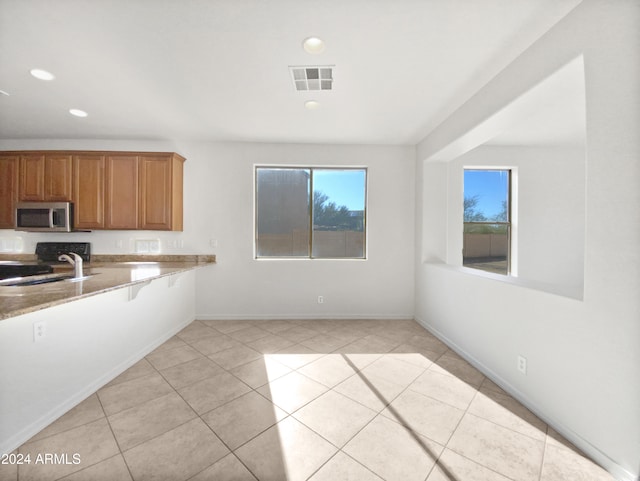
{"x": 288, "y": 317}
{"x": 586, "y": 447}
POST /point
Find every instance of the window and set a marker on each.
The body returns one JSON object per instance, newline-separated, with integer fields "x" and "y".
{"x": 487, "y": 220}
{"x": 310, "y": 213}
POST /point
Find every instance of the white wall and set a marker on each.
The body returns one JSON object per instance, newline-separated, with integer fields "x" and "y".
{"x": 583, "y": 358}
{"x": 218, "y": 205}
{"x": 240, "y": 286}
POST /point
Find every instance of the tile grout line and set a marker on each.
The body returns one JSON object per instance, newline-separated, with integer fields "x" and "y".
{"x": 495, "y": 424}
{"x": 543, "y": 442}
{"x": 338, "y": 449}
{"x": 197, "y": 416}
{"x": 413, "y": 433}
{"x": 255, "y": 390}
{"x": 357, "y": 371}
{"x": 466, "y": 411}
{"x": 200, "y": 416}
{"x": 489, "y": 420}
{"x": 179, "y": 395}
{"x": 544, "y": 453}
{"x": 160, "y": 434}
{"x": 124, "y": 460}
{"x": 446, "y": 446}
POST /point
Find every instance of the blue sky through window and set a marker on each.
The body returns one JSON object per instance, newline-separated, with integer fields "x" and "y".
{"x": 344, "y": 187}
{"x": 491, "y": 187}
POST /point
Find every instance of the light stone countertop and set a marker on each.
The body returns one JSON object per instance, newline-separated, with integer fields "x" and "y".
{"x": 103, "y": 276}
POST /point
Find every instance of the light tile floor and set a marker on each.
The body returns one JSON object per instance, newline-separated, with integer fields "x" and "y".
{"x": 323, "y": 400}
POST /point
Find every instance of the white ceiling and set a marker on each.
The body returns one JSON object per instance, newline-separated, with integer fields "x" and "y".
{"x": 218, "y": 69}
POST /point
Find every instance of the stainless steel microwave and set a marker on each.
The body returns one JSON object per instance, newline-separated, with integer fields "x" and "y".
{"x": 44, "y": 216}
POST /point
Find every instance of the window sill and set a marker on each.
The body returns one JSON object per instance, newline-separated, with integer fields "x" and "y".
{"x": 297, "y": 259}
{"x": 572, "y": 292}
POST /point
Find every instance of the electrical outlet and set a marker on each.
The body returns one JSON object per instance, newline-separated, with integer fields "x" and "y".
{"x": 320, "y": 299}
{"x": 142, "y": 246}
{"x": 10, "y": 244}
{"x": 522, "y": 364}
{"x": 147, "y": 246}
{"x": 39, "y": 331}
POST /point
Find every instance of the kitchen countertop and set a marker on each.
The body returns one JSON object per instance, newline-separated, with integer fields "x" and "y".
{"x": 105, "y": 273}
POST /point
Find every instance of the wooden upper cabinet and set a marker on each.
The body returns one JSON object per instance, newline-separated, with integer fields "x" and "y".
{"x": 121, "y": 194}
{"x": 9, "y": 165}
{"x": 46, "y": 177}
{"x": 88, "y": 191}
{"x": 160, "y": 191}
{"x": 58, "y": 177}
{"x": 31, "y": 177}
{"x": 110, "y": 190}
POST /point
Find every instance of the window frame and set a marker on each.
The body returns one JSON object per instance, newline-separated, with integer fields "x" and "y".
{"x": 509, "y": 223}
{"x": 311, "y": 169}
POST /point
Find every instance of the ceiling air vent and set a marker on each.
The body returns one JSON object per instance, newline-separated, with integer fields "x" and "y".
{"x": 312, "y": 78}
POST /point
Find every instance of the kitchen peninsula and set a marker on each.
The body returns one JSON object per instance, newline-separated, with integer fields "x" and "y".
{"x": 104, "y": 273}
{"x": 62, "y": 341}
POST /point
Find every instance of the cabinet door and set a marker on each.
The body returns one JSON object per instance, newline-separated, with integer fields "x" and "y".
{"x": 88, "y": 191}
{"x": 58, "y": 175}
{"x": 121, "y": 195}
{"x": 8, "y": 190}
{"x": 155, "y": 192}
{"x": 31, "y": 177}
{"x": 177, "y": 191}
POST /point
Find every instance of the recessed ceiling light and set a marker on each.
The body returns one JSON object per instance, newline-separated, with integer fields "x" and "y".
{"x": 313, "y": 45}
{"x": 312, "y": 104}
{"x": 78, "y": 112}
{"x": 42, "y": 74}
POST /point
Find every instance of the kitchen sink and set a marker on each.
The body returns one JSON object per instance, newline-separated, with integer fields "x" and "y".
{"x": 13, "y": 269}
{"x": 35, "y": 282}
{"x": 38, "y": 280}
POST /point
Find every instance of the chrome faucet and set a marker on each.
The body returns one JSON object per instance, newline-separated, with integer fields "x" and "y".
{"x": 76, "y": 262}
